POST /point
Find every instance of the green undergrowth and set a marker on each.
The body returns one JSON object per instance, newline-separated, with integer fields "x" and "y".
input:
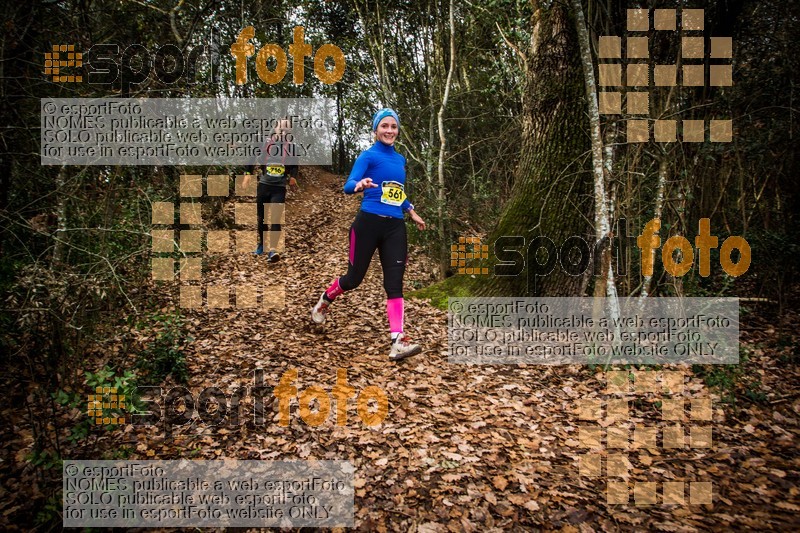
{"x": 438, "y": 293}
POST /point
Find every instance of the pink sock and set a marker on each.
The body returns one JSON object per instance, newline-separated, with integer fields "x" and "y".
{"x": 334, "y": 290}
{"x": 394, "y": 310}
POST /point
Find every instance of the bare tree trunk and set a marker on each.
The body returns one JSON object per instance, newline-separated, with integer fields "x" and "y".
{"x": 601, "y": 219}
{"x": 604, "y": 282}
{"x": 429, "y": 68}
{"x": 662, "y": 182}
{"x": 340, "y": 164}
{"x": 376, "y": 48}
{"x": 431, "y": 129}
{"x": 61, "y": 214}
{"x": 551, "y": 192}
{"x": 441, "y": 195}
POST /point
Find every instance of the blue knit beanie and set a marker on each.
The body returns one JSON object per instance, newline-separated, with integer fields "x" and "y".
{"x": 382, "y": 114}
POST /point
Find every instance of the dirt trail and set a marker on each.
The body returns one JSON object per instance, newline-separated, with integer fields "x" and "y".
{"x": 463, "y": 448}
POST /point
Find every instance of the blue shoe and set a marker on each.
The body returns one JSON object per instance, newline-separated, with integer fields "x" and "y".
{"x": 259, "y": 250}
{"x": 273, "y": 257}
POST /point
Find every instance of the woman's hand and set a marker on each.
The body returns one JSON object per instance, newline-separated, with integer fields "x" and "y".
{"x": 364, "y": 184}
{"x": 417, "y": 220}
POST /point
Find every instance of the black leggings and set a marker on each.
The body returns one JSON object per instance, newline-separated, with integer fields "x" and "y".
{"x": 386, "y": 234}
{"x": 269, "y": 194}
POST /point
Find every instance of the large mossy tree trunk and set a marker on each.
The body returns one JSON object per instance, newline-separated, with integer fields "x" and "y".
{"x": 552, "y": 195}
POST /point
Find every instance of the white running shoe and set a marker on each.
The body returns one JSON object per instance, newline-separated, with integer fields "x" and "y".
{"x": 319, "y": 312}
{"x": 402, "y": 347}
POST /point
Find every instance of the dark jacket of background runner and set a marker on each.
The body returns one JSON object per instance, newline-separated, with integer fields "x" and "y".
{"x": 277, "y": 153}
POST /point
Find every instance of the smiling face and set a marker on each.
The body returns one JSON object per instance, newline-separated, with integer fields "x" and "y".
{"x": 387, "y": 131}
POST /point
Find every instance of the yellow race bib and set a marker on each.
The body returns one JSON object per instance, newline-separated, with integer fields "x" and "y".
{"x": 392, "y": 193}
{"x": 275, "y": 170}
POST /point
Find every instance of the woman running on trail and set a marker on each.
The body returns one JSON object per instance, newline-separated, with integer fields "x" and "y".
{"x": 380, "y": 173}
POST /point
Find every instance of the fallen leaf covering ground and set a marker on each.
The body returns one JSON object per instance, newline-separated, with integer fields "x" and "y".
{"x": 463, "y": 448}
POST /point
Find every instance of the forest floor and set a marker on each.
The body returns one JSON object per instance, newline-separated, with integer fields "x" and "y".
{"x": 470, "y": 448}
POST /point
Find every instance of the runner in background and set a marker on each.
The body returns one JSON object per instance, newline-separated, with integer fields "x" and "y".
{"x": 380, "y": 173}
{"x": 279, "y": 168}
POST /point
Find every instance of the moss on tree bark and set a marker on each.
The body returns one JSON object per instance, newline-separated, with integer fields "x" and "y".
{"x": 552, "y": 194}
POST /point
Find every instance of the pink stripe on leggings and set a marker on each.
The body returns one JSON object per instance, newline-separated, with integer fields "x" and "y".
{"x": 334, "y": 290}
{"x": 352, "y": 245}
{"x": 394, "y": 310}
